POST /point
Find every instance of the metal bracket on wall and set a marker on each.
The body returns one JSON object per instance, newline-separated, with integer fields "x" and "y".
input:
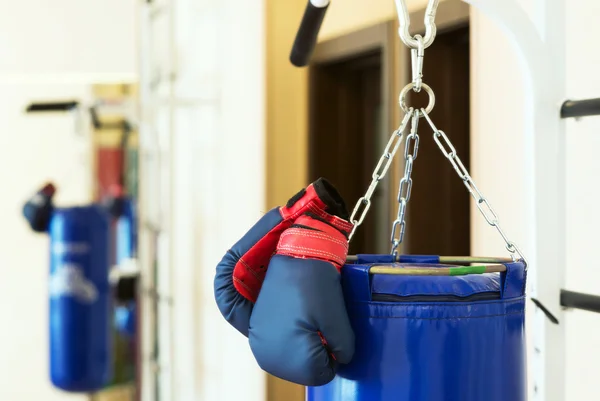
{"x": 124, "y": 125}
{"x": 580, "y": 108}
{"x": 70, "y": 106}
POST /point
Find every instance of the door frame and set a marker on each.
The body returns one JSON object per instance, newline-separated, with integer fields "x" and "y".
{"x": 395, "y": 74}
{"x": 451, "y": 14}
{"x": 375, "y": 41}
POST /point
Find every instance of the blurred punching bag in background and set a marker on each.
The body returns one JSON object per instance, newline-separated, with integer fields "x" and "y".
{"x": 80, "y": 303}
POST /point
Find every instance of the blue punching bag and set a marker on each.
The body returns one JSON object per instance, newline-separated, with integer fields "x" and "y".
{"x": 432, "y": 338}
{"x": 125, "y": 315}
{"x": 80, "y": 318}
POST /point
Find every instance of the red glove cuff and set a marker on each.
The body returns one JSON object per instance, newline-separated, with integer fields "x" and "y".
{"x": 314, "y": 239}
{"x": 320, "y": 199}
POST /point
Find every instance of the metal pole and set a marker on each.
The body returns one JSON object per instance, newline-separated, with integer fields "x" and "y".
{"x": 306, "y": 37}
{"x": 578, "y": 300}
{"x": 580, "y": 108}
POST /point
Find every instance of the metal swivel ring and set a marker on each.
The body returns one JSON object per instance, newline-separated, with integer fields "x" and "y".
{"x": 404, "y": 92}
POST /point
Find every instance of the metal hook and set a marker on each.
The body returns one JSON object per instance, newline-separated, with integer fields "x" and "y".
{"x": 404, "y": 20}
{"x": 417, "y": 56}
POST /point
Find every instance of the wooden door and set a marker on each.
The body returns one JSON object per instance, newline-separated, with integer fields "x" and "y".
{"x": 438, "y": 214}
{"x": 345, "y": 123}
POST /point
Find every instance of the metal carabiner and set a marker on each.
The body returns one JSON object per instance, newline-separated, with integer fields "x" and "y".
{"x": 404, "y": 20}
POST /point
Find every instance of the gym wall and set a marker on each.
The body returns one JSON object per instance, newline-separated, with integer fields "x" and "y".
{"x": 68, "y": 40}
{"x": 497, "y": 137}
{"x": 348, "y": 15}
{"x": 46, "y": 53}
{"x": 497, "y": 70}
{"x": 202, "y": 183}
{"x": 583, "y": 219}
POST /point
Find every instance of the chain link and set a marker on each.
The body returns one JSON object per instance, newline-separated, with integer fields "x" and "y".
{"x": 405, "y": 186}
{"x": 484, "y": 206}
{"x": 383, "y": 166}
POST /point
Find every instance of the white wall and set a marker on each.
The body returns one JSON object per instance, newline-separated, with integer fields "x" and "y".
{"x": 67, "y": 39}
{"x": 48, "y": 50}
{"x": 211, "y": 186}
{"x": 583, "y": 216}
{"x": 345, "y": 16}
{"x": 498, "y": 145}
{"x": 501, "y": 162}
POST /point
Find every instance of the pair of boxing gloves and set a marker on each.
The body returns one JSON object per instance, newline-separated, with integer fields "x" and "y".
{"x": 280, "y": 286}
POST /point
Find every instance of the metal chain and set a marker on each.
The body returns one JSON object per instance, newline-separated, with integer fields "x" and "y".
{"x": 484, "y": 206}
{"x": 405, "y": 186}
{"x": 418, "y": 44}
{"x": 382, "y": 167}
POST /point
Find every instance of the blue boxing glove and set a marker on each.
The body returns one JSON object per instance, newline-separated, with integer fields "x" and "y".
{"x": 240, "y": 274}
{"x": 38, "y": 209}
{"x": 299, "y": 328}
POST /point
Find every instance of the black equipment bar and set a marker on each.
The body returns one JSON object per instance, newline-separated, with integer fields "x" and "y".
{"x": 578, "y": 300}
{"x": 306, "y": 37}
{"x": 52, "y": 106}
{"x": 580, "y": 108}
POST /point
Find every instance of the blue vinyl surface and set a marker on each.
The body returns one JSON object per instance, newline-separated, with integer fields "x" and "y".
{"x": 125, "y": 319}
{"x": 427, "y": 342}
{"x": 233, "y": 306}
{"x": 80, "y": 304}
{"x": 126, "y": 233}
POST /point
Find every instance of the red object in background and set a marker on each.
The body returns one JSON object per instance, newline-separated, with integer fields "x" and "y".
{"x": 109, "y": 170}
{"x": 49, "y": 189}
